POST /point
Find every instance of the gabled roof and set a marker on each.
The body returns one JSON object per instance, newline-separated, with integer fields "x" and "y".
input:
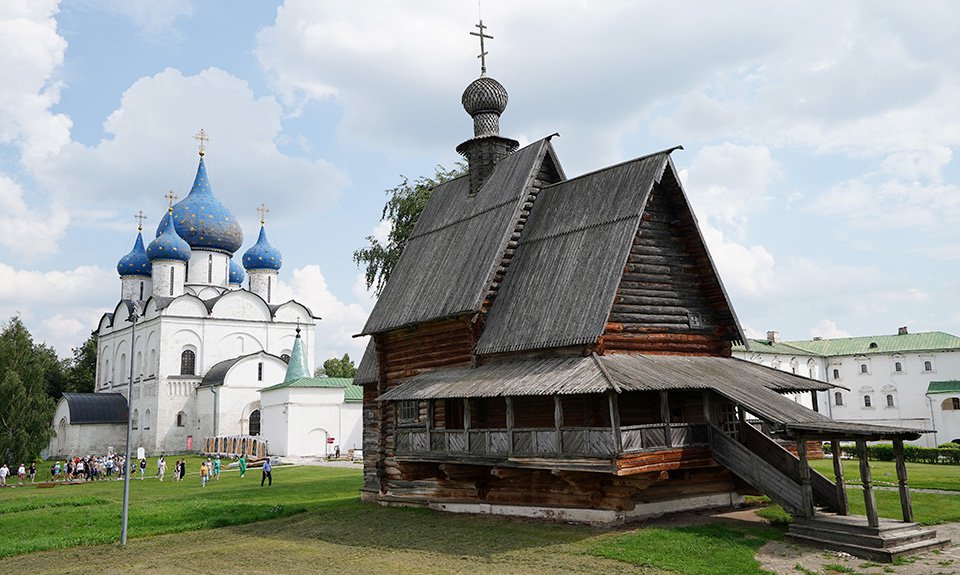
{"x": 906, "y": 343}
{"x": 450, "y": 259}
{"x": 569, "y": 261}
{"x": 951, "y": 386}
{"x": 96, "y": 408}
{"x": 367, "y": 370}
{"x": 216, "y": 374}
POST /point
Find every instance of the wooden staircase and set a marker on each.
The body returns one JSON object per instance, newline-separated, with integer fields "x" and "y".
{"x": 768, "y": 467}
{"x": 851, "y": 534}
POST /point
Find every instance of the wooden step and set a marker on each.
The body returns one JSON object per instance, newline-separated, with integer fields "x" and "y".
{"x": 885, "y": 554}
{"x": 887, "y": 541}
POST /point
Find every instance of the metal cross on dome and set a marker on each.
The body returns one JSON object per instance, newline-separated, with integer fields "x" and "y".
{"x": 483, "y": 52}
{"x": 264, "y": 210}
{"x": 139, "y": 217}
{"x": 203, "y": 138}
{"x": 171, "y": 197}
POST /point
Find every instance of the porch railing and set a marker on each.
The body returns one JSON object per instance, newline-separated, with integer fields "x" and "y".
{"x": 567, "y": 441}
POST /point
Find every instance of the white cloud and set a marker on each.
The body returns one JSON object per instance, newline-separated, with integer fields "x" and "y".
{"x": 28, "y": 232}
{"x": 745, "y": 270}
{"x": 827, "y": 329}
{"x": 150, "y": 151}
{"x": 149, "y": 15}
{"x": 340, "y": 320}
{"x": 31, "y": 52}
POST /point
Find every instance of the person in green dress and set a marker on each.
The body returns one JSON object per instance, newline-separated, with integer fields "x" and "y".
{"x": 216, "y": 468}
{"x": 243, "y": 464}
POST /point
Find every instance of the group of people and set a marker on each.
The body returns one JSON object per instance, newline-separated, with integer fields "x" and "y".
{"x": 96, "y": 468}
{"x": 23, "y": 473}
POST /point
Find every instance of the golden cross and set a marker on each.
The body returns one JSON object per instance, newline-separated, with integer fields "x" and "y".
{"x": 171, "y": 197}
{"x": 203, "y": 138}
{"x": 139, "y": 217}
{"x": 483, "y": 53}
{"x": 264, "y": 210}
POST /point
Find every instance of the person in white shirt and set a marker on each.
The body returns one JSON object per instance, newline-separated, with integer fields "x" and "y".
{"x": 21, "y": 473}
{"x": 4, "y": 472}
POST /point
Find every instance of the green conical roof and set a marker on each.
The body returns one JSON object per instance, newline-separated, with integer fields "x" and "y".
{"x": 297, "y": 366}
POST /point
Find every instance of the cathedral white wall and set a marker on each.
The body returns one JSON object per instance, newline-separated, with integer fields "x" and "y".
{"x": 946, "y": 421}
{"x": 158, "y": 385}
{"x": 208, "y": 268}
{"x": 136, "y": 288}
{"x": 161, "y": 278}
{"x": 263, "y": 283}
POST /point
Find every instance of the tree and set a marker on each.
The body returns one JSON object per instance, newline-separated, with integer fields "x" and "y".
{"x": 334, "y": 367}
{"x": 26, "y": 370}
{"x": 403, "y": 207}
{"x": 82, "y": 370}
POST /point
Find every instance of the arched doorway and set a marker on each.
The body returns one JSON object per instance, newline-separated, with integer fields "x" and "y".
{"x": 62, "y": 436}
{"x": 254, "y": 425}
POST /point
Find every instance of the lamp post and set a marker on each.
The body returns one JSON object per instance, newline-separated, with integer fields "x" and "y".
{"x": 126, "y": 460}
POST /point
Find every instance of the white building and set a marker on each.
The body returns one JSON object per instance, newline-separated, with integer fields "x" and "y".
{"x": 884, "y": 379}
{"x": 202, "y": 348}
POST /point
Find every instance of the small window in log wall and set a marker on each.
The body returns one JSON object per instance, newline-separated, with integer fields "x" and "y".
{"x": 408, "y": 412}
{"x": 488, "y": 413}
{"x": 533, "y": 412}
{"x": 586, "y": 410}
{"x": 452, "y": 414}
{"x": 686, "y": 407}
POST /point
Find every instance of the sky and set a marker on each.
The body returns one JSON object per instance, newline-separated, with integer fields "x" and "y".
{"x": 819, "y": 139}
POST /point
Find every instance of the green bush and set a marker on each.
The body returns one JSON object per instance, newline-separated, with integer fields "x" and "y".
{"x": 880, "y": 452}
{"x": 949, "y": 445}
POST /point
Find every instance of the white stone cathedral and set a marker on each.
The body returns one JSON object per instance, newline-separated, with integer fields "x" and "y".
{"x": 202, "y": 345}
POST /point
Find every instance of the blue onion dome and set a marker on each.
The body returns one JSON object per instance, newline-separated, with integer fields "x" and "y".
{"x": 135, "y": 263}
{"x": 203, "y": 221}
{"x": 236, "y": 273}
{"x": 168, "y": 245}
{"x": 262, "y": 256}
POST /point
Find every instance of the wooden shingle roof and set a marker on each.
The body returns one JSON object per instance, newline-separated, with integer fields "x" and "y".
{"x": 451, "y": 257}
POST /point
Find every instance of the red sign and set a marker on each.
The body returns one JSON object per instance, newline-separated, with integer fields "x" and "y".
{"x": 330, "y": 439}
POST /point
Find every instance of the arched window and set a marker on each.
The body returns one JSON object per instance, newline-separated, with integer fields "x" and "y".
{"x": 146, "y": 419}
{"x": 135, "y": 424}
{"x": 210, "y": 269}
{"x": 269, "y": 288}
{"x": 121, "y": 367}
{"x": 928, "y": 365}
{"x": 255, "y": 422}
{"x": 171, "y": 281}
{"x": 950, "y": 404}
{"x": 836, "y": 374}
{"x": 867, "y": 401}
{"x": 863, "y": 368}
{"x": 259, "y": 372}
{"x": 188, "y": 362}
{"x": 106, "y": 372}
{"x": 285, "y": 357}
{"x": 139, "y": 370}
{"x": 837, "y": 398}
{"x": 889, "y": 400}
{"x": 141, "y": 290}
{"x": 181, "y": 419}
{"x": 898, "y": 367}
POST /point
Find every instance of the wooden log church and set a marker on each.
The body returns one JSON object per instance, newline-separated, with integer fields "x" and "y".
{"x": 561, "y": 348}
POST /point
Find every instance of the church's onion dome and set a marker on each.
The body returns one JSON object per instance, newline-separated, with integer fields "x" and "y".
{"x": 168, "y": 245}
{"x": 484, "y": 95}
{"x": 262, "y": 256}
{"x": 236, "y": 273}
{"x": 203, "y": 221}
{"x": 136, "y": 262}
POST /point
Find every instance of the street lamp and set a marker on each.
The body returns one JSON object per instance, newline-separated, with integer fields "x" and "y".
{"x": 134, "y": 315}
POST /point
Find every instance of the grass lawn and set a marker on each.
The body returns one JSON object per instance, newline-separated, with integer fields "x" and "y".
{"x": 312, "y": 520}
{"x": 919, "y": 475}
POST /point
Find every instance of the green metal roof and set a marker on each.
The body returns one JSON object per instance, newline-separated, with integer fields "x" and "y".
{"x": 911, "y": 342}
{"x": 297, "y": 365}
{"x": 951, "y": 386}
{"x": 353, "y": 394}
{"x": 328, "y": 382}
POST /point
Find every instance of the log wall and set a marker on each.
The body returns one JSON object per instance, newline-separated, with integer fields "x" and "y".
{"x": 668, "y": 300}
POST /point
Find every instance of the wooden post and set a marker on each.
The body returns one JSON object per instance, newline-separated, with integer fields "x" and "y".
{"x": 869, "y": 500}
{"x": 558, "y": 422}
{"x": 466, "y": 425}
{"x": 905, "y": 503}
{"x": 509, "y": 401}
{"x": 430, "y": 424}
{"x": 843, "y": 508}
{"x": 665, "y": 417}
{"x": 706, "y": 406}
{"x": 742, "y": 417}
{"x": 615, "y": 422}
{"x": 806, "y": 490}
